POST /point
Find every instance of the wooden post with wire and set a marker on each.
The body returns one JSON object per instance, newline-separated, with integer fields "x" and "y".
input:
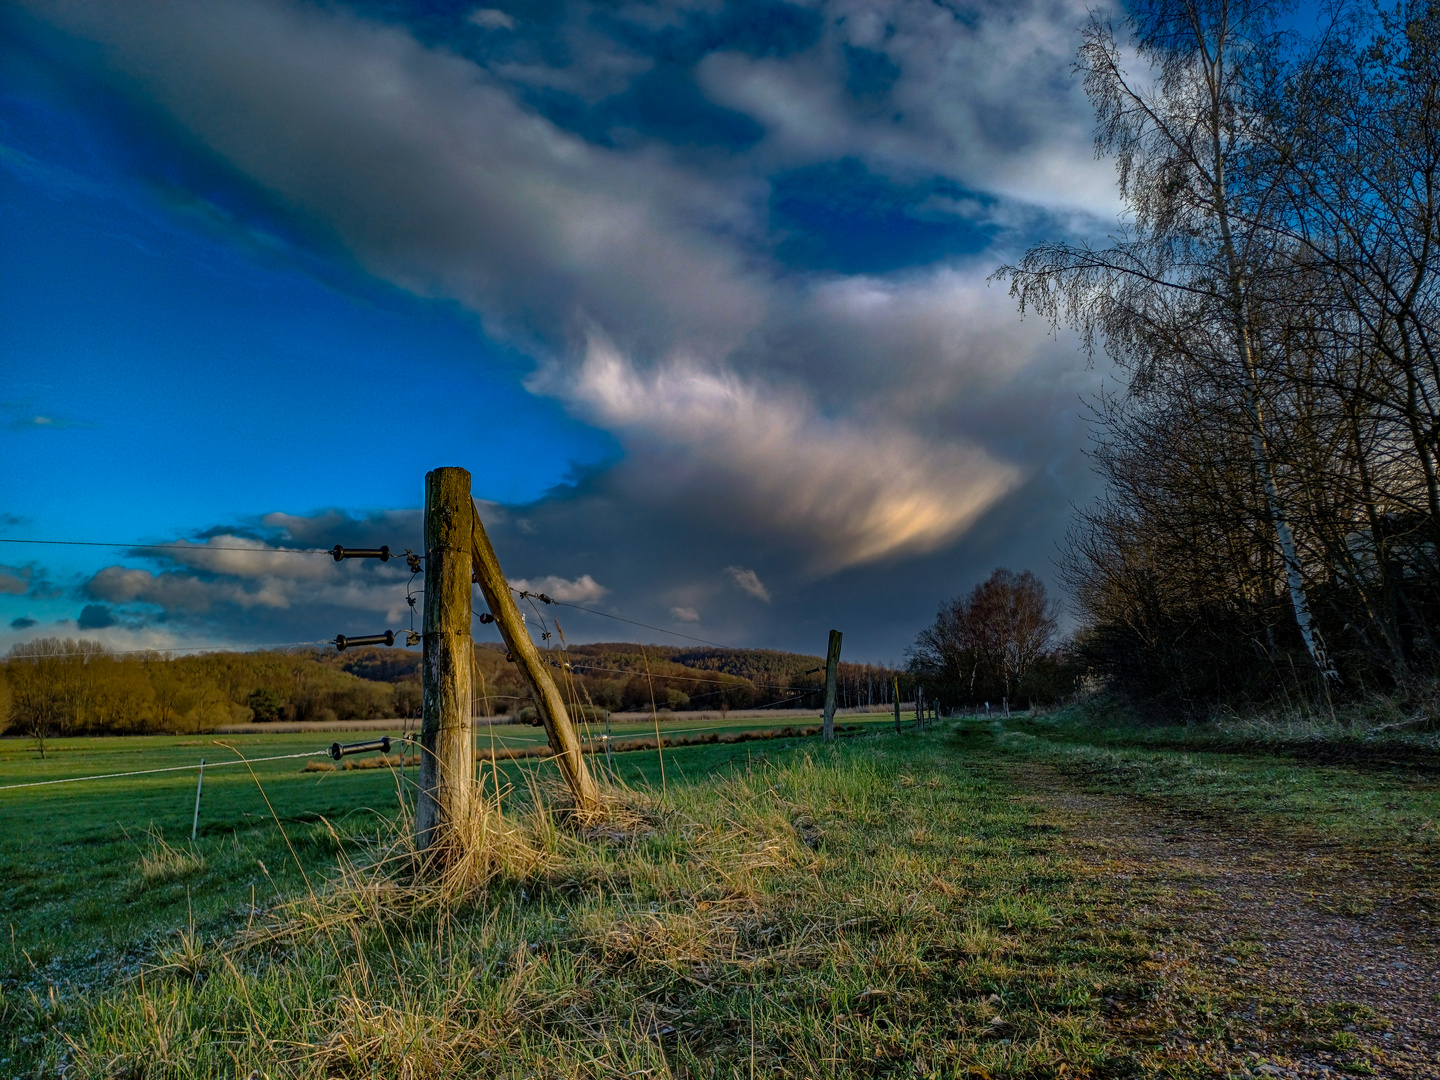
{"x": 832, "y": 669}
{"x": 548, "y": 701}
{"x": 447, "y": 762}
{"x": 895, "y": 682}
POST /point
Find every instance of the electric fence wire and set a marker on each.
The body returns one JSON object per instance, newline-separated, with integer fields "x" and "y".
{"x": 167, "y": 769}
{"x": 525, "y": 594}
{"x": 530, "y": 597}
{"x": 231, "y": 647}
{"x": 170, "y": 547}
{"x": 410, "y": 602}
{"x": 583, "y": 666}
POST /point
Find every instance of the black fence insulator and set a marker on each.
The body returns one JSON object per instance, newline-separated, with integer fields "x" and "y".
{"x": 413, "y": 561}
{"x": 342, "y": 642}
{"x": 339, "y": 750}
{"x": 412, "y": 637}
{"x": 382, "y": 553}
{"x": 486, "y": 617}
{"x": 510, "y": 657}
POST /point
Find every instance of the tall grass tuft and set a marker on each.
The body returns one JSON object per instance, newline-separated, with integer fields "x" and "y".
{"x": 161, "y": 862}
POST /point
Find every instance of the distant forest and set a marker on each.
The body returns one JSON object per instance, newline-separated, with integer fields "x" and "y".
{"x": 69, "y": 687}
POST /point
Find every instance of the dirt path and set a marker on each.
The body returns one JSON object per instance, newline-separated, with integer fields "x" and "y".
{"x": 1325, "y": 956}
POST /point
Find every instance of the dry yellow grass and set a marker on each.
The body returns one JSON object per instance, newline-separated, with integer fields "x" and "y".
{"x": 162, "y": 862}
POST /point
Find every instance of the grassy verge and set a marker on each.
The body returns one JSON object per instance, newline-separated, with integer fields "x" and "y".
{"x": 85, "y": 878}
{"x": 872, "y": 908}
{"x": 888, "y": 906}
{"x": 1371, "y": 803}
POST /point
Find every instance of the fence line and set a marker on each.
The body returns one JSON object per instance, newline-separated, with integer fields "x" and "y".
{"x": 170, "y": 768}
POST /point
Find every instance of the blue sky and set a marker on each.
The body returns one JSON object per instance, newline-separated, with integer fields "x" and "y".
{"x": 696, "y": 291}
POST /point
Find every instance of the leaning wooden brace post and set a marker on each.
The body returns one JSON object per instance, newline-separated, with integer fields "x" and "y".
{"x": 832, "y": 668}
{"x": 548, "y": 702}
{"x": 447, "y": 761}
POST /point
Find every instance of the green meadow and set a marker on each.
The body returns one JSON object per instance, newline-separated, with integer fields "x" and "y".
{"x": 69, "y": 886}
{"x": 971, "y": 901}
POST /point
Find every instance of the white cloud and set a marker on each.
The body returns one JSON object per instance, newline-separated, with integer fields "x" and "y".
{"x": 492, "y": 19}
{"x": 685, "y": 614}
{"x": 581, "y": 590}
{"x": 749, "y": 582}
{"x": 986, "y": 98}
{"x": 850, "y": 491}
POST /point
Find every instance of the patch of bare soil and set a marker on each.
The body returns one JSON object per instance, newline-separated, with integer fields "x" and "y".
{"x": 1320, "y": 960}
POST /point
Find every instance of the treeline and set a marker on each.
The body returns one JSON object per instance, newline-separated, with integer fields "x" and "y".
{"x": 621, "y": 677}
{"x": 995, "y": 644}
{"x": 1271, "y": 518}
{"x": 67, "y": 687}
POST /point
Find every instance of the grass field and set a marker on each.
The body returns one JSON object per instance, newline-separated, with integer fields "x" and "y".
{"x": 1034, "y": 899}
{"x": 69, "y": 888}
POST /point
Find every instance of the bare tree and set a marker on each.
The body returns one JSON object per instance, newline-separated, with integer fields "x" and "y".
{"x": 988, "y": 639}
{"x": 1272, "y": 467}
{"x": 1191, "y": 269}
{"x": 37, "y": 679}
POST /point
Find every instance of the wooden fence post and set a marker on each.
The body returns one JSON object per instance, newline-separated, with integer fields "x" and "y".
{"x": 895, "y": 681}
{"x": 447, "y": 760}
{"x": 548, "y": 701}
{"x": 832, "y": 669}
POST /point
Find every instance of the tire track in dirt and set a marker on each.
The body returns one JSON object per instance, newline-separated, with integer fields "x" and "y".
{"x": 1346, "y": 937}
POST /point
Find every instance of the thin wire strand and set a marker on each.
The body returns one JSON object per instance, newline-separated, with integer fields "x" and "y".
{"x": 23, "y": 656}
{"x": 172, "y": 547}
{"x": 189, "y": 648}
{"x": 632, "y": 622}
{"x": 171, "y": 768}
{"x": 582, "y": 665}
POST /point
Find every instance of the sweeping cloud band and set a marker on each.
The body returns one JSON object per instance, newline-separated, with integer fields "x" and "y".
{"x": 750, "y": 242}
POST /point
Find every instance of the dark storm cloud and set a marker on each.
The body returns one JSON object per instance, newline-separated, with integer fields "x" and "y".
{"x": 95, "y": 617}
{"x": 29, "y": 580}
{"x": 753, "y": 248}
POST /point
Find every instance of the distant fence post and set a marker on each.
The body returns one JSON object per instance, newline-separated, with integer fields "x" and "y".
{"x": 832, "y": 670}
{"x": 447, "y": 763}
{"x": 895, "y": 682}
{"x": 199, "y": 783}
